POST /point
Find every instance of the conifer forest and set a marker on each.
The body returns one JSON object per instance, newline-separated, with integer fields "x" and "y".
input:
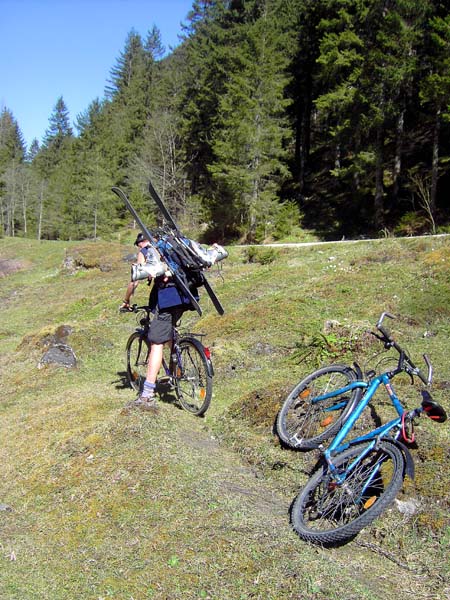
{"x": 271, "y": 117}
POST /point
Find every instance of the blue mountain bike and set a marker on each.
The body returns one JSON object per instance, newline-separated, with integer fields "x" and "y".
{"x": 358, "y": 479}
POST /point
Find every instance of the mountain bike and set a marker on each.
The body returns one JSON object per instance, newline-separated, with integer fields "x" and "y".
{"x": 358, "y": 479}
{"x": 187, "y": 364}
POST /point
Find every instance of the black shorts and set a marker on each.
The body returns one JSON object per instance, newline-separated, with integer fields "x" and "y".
{"x": 162, "y": 325}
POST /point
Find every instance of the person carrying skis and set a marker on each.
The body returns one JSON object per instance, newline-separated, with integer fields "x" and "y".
{"x": 167, "y": 303}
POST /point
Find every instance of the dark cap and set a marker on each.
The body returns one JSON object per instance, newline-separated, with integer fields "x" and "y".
{"x": 140, "y": 238}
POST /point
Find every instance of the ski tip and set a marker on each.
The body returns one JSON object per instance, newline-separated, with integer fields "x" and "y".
{"x": 118, "y": 191}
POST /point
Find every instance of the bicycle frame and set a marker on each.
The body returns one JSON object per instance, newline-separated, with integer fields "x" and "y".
{"x": 175, "y": 349}
{"x": 371, "y": 388}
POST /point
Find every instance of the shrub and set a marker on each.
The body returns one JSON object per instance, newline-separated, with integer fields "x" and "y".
{"x": 263, "y": 256}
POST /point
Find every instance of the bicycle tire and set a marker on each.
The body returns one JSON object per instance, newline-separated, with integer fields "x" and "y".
{"x": 193, "y": 378}
{"x": 137, "y": 352}
{"x": 328, "y": 513}
{"x": 302, "y": 424}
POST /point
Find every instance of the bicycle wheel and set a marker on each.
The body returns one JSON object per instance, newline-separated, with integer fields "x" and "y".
{"x": 138, "y": 350}
{"x": 303, "y": 422}
{"x": 327, "y": 512}
{"x": 193, "y": 378}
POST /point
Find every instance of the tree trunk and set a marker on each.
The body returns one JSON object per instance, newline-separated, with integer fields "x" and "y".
{"x": 24, "y": 188}
{"x": 41, "y": 210}
{"x": 398, "y": 156}
{"x": 379, "y": 192}
{"x": 95, "y": 222}
{"x": 435, "y": 162}
{"x": 303, "y": 136}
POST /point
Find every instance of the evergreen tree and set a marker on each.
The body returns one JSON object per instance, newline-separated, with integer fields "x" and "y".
{"x": 12, "y": 153}
{"x": 161, "y": 156}
{"x": 249, "y": 144}
{"x": 131, "y": 96}
{"x": 12, "y": 146}
{"x": 386, "y": 86}
{"x": 153, "y": 46}
{"x": 351, "y": 95}
{"x": 435, "y": 92}
{"x": 59, "y": 126}
{"x": 50, "y": 165}
{"x": 33, "y": 150}
{"x": 208, "y": 36}
{"x": 304, "y": 85}
{"x": 87, "y": 121}
{"x": 368, "y": 62}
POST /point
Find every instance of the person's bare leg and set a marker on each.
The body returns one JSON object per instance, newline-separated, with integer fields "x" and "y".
{"x": 154, "y": 362}
{"x": 147, "y": 399}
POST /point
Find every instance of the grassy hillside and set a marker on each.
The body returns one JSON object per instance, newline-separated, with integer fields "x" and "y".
{"x": 97, "y": 501}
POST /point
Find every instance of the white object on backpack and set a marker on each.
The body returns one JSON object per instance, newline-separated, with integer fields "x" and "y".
{"x": 153, "y": 267}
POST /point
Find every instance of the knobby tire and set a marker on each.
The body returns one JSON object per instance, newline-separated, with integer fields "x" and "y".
{"x": 138, "y": 350}
{"x": 193, "y": 381}
{"x": 329, "y": 513}
{"x": 303, "y": 424}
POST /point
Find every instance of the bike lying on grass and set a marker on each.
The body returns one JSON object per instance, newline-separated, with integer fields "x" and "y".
{"x": 187, "y": 366}
{"x": 358, "y": 479}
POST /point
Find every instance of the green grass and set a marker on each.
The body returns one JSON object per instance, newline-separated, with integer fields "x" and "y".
{"x": 108, "y": 503}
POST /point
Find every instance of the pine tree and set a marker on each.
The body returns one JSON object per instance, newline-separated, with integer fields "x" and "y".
{"x": 435, "y": 92}
{"x": 130, "y": 100}
{"x": 12, "y": 146}
{"x": 249, "y": 145}
{"x": 12, "y": 153}
{"x": 207, "y": 38}
{"x": 33, "y": 150}
{"x": 50, "y": 166}
{"x": 59, "y": 126}
{"x": 153, "y": 45}
{"x": 386, "y": 86}
{"x": 304, "y": 86}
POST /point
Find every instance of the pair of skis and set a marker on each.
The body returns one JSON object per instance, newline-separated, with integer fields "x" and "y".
{"x": 178, "y": 280}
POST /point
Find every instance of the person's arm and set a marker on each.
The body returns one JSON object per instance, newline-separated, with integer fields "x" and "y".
{"x": 131, "y": 287}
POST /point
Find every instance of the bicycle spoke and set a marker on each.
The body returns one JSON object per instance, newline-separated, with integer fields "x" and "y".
{"x": 193, "y": 383}
{"x": 333, "y": 508}
{"x": 306, "y": 417}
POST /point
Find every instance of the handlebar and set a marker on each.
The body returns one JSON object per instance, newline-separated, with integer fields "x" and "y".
{"x": 404, "y": 363}
{"x": 134, "y": 308}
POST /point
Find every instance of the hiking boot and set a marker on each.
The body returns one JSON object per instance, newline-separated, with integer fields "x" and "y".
{"x": 147, "y": 403}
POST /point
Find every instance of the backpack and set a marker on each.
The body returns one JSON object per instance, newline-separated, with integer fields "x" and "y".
{"x": 187, "y": 257}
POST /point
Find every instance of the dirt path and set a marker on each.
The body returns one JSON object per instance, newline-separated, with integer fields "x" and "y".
{"x": 342, "y": 241}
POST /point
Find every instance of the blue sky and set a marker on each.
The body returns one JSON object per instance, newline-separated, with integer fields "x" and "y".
{"x": 53, "y": 48}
